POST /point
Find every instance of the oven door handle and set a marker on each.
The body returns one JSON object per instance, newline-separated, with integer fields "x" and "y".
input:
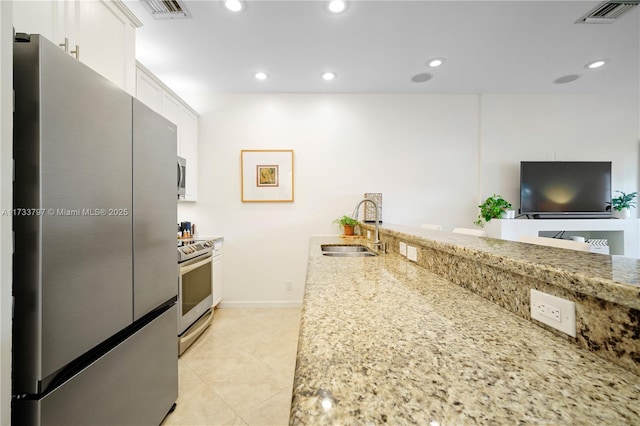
{"x": 189, "y": 268}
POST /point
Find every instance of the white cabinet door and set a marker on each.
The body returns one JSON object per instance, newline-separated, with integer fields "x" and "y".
{"x": 41, "y": 17}
{"x": 188, "y": 148}
{"x": 148, "y": 91}
{"x": 102, "y": 32}
{"x": 171, "y": 111}
{"x": 216, "y": 272}
{"x": 106, "y": 38}
{"x": 151, "y": 91}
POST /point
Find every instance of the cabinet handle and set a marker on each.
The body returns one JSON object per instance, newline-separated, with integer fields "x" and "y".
{"x": 76, "y": 52}
{"x": 65, "y": 45}
{"x": 66, "y": 48}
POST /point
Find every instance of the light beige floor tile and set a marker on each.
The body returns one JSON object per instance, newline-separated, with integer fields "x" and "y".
{"x": 239, "y": 328}
{"x": 282, "y": 362}
{"x": 236, "y": 313}
{"x": 245, "y": 393}
{"x": 198, "y": 404}
{"x": 270, "y": 341}
{"x": 210, "y": 345}
{"x": 240, "y": 371}
{"x": 225, "y": 364}
{"x": 272, "y": 412}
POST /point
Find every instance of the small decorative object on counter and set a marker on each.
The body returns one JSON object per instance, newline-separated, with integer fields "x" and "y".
{"x": 186, "y": 229}
{"x": 621, "y": 206}
{"x": 494, "y": 207}
{"x": 347, "y": 223}
{"x": 369, "y": 208}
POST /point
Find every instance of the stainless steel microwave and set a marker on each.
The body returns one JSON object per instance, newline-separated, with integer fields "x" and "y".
{"x": 182, "y": 177}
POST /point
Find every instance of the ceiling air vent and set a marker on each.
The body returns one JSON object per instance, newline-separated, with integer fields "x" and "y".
{"x": 608, "y": 12}
{"x": 167, "y": 9}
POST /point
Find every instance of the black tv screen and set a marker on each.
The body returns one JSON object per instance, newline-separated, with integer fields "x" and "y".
{"x": 565, "y": 188}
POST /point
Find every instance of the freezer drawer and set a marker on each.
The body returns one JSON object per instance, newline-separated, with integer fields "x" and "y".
{"x": 135, "y": 383}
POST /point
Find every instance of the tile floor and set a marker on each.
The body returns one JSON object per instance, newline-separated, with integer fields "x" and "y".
{"x": 240, "y": 371}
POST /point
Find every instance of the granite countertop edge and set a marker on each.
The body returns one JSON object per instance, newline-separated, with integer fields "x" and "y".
{"x": 384, "y": 340}
{"x": 614, "y": 279}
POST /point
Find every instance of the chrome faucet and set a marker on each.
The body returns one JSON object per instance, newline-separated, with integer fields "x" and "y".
{"x": 377, "y": 244}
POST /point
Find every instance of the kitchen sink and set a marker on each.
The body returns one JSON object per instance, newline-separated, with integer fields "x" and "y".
{"x": 349, "y": 254}
{"x": 343, "y": 250}
{"x": 343, "y": 247}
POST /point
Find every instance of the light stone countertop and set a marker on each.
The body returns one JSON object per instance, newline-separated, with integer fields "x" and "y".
{"x": 612, "y": 278}
{"x": 383, "y": 340}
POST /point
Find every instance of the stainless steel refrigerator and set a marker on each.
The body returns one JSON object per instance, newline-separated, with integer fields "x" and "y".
{"x": 94, "y": 264}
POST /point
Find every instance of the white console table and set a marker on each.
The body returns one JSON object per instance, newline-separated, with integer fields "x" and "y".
{"x": 623, "y": 235}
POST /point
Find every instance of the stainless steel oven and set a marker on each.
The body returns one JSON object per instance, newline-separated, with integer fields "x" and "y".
{"x": 195, "y": 291}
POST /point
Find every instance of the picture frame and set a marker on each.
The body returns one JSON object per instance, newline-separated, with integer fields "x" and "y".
{"x": 266, "y": 176}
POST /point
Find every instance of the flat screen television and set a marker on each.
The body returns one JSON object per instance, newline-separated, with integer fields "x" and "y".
{"x": 565, "y": 189}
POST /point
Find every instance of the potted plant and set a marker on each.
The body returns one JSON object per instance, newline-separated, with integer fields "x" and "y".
{"x": 620, "y": 206}
{"x": 347, "y": 223}
{"x": 493, "y": 207}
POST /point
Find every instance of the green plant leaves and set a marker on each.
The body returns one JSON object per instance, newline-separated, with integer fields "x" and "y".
{"x": 345, "y": 220}
{"x": 492, "y": 208}
{"x": 624, "y": 201}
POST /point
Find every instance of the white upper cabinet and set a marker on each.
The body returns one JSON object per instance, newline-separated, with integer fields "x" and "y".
{"x": 101, "y": 34}
{"x": 156, "y": 95}
{"x": 113, "y": 56}
{"x": 148, "y": 91}
{"x": 188, "y": 148}
{"x": 41, "y": 17}
{"x": 171, "y": 110}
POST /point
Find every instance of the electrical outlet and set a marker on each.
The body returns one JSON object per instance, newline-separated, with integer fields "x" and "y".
{"x": 554, "y": 311}
{"x": 412, "y": 253}
{"x": 288, "y": 285}
{"x": 403, "y": 249}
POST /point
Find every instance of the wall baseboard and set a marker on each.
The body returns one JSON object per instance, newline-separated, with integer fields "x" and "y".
{"x": 253, "y": 304}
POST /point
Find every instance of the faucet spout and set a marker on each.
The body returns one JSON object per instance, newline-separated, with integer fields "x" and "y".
{"x": 376, "y": 240}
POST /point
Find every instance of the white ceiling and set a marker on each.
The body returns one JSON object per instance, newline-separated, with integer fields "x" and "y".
{"x": 377, "y": 46}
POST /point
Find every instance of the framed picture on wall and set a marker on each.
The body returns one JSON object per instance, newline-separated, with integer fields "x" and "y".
{"x": 266, "y": 175}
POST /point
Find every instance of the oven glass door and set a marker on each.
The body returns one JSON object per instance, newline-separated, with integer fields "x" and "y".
{"x": 195, "y": 292}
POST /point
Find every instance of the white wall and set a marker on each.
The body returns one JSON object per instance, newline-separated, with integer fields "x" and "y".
{"x": 418, "y": 151}
{"x": 433, "y": 157}
{"x": 6, "y": 179}
{"x": 565, "y": 128}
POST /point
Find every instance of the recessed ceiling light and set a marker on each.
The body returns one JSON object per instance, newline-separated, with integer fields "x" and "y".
{"x": 421, "y": 78}
{"x": 337, "y": 6}
{"x": 261, "y": 75}
{"x": 596, "y": 64}
{"x": 435, "y": 62}
{"x": 234, "y": 5}
{"x": 329, "y": 76}
{"x": 566, "y": 79}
